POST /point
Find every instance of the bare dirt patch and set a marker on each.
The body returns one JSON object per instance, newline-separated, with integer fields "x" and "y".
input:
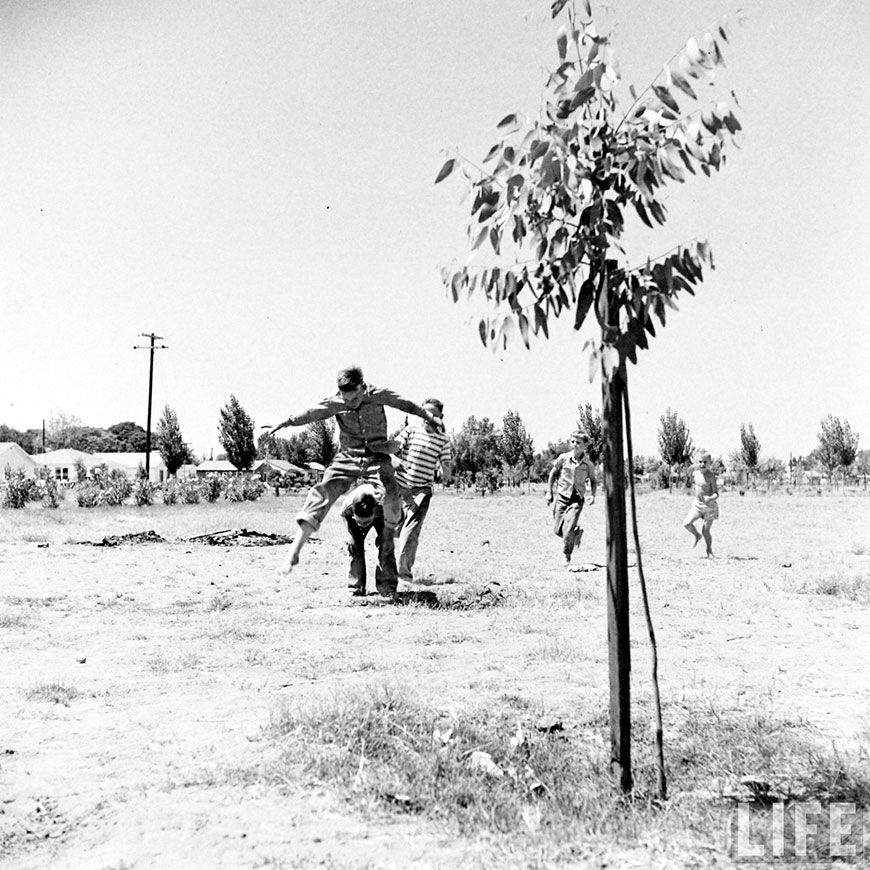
{"x": 142, "y": 679}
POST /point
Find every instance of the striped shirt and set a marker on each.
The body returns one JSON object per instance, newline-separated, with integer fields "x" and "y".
{"x": 420, "y": 452}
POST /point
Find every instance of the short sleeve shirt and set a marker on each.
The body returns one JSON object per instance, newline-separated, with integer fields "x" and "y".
{"x": 572, "y": 474}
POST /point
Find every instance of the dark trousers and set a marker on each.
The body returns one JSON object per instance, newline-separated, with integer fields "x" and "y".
{"x": 386, "y": 574}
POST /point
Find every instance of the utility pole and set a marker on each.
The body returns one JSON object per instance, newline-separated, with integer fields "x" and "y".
{"x": 152, "y": 348}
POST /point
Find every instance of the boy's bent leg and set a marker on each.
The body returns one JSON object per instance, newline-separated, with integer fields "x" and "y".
{"x": 292, "y": 557}
{"x": 415, "y": 508}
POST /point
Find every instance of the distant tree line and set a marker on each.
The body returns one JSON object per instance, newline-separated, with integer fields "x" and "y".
{"x": 486, "y": 456}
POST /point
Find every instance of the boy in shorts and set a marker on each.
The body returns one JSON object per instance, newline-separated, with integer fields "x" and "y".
{"x": 705, "y": 504}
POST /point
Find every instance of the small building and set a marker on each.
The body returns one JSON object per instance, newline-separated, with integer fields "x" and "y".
{"x": 222, "y": 467}
{"x": 132, "y": 462}
{"x": 17, "y": 458}
{"x": 262, "y": 466}
{"x": 63, "y": 462}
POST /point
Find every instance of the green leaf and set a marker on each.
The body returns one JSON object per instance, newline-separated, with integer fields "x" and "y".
{"x": 710, "y": 120}
{"x": 642, "y": 212}
{"x": 658, "y": 211}
{"x": 446, "y": 169}
{"x": 683, "y": 84}
{"x": 587, "y": 8}
{"x": 523, "y": 322}
{"x": 507, "y": 121}
{"x": 478, "y": 241}
{"x": 492, "y": 152}
{"x": 584, "y": 302}
{"x": 562, "y": 42}
{"x": 495, "y": 240}
{"x": 541, "y": 321}
{"x": 665, "y": 96}
{"x": 694, "y": 53}
{"x": 557, "y": 7}
{"x": 732, "y": 123}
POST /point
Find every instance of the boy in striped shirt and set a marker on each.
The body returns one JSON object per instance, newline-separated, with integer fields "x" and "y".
{"x": 423, "y": 448}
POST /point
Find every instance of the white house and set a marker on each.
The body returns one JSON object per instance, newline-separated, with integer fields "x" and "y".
{"x": 63, "y": 462}
{"x": 131, "y": 462}
{"x": 215, "y": 466}
{"x": 16, "y": 458}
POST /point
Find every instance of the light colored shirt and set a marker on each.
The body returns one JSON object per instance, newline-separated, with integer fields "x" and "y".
{"x": 572, "y": 474}
{"x": 362, "y": 430}
{"x": 421, "y": 451}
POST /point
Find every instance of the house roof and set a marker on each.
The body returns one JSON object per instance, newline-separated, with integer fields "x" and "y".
{"x": 15, "y": 456}
{"x": 132, "y": 460}
{"x": 67, "y": 457}
{"x": 216, "y": 465}
{"x": 277, "y": 464}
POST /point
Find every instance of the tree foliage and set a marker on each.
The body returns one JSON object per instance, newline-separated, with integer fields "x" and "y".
{"x": 321, "y": 446}
{"x": 675, "y": 443}
{"x": 515, "y": 446}
{"x": 551, "y": 208}
{"x": 236, "y": 434}
{"x": 131, "y": 437}
{"x": 476, "y": 448}
{"x": 589, "y": 421}
{"x": 750, "y": 447}
{"x": 171, "y": 445}
{"x": 838, "y": 445}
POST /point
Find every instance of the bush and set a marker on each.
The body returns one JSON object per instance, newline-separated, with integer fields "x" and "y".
{"x": 118, "y": 488}
{"x": 143, "y": 492}
{"x": 245, "y": 487}
{"x": 189, "y": 491}
{"x": 211, "y": 488}
{"x": 170, "y": 492}
{"x": 19, "y": 489}
{"x": 51, "y": 493}
{"x": 89, "y": 494}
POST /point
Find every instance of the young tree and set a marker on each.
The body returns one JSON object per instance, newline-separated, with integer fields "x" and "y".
{"x": 516, "y": 447}
{"x": 170, "y": 443}
{"x": 321, "y": 441}
{"x": 862, "y": 464}
{"x": 236, "y": 434}
{"x": 838, "y": 445}
{"x": 750, "y": 449}
{"x": 552, "y": 209}
{"x": 590, "y": 422}
{"x": 476, "y": 449}
{"x": 675, "y": 444}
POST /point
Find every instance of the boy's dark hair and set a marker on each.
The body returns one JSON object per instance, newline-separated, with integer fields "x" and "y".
{"x": 350, "y": 378}
{"x": 437, "y": 403}
{"x": 365, "y": 507}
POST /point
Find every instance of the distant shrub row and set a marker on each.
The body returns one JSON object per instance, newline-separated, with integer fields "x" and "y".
{"x": 101, "y": 486}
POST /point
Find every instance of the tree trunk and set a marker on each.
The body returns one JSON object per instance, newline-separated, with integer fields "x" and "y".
{"x": 617, "y": 579}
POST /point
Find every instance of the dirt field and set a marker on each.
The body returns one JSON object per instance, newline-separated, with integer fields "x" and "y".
{"x": 139, "y": 680}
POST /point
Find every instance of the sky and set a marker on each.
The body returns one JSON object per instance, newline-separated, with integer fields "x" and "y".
{"x": 254, "y": 183}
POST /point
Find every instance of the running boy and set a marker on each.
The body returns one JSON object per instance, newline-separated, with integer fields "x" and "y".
{"x": 572, "y": 469}
{"x": 705, "y": 505}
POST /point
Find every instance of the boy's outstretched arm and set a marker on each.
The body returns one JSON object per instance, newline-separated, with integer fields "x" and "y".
{"x": 322, "y": 411}
{"x": 400, "y": 403}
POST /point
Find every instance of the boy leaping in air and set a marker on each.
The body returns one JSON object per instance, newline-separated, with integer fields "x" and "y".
{"x": 364, "y": 450}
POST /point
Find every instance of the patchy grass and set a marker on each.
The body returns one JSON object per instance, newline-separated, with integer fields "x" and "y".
{"x": 53, "y": 692}
{"x": 851, "y": 586}
{"x": 500, "y": 770}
